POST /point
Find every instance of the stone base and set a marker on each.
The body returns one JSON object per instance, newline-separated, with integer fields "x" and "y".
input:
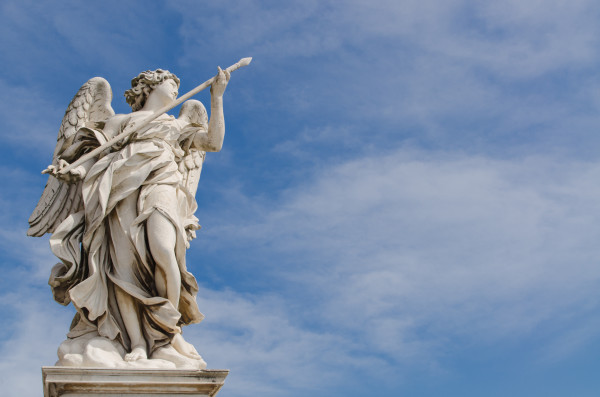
{"x": 87, "y": 382}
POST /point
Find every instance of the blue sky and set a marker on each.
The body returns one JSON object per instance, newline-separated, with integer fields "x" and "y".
{"x": 407, "y": 201}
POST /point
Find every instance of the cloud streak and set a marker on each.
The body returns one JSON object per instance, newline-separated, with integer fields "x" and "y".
{"x": 452, "y": 74}
{"x": 411, "y": 249}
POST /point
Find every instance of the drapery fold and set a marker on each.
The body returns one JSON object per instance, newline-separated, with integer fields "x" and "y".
{"x": 142, "y": 177}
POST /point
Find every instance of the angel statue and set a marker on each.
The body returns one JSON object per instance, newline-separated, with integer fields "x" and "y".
{"x": 121, "y": 221}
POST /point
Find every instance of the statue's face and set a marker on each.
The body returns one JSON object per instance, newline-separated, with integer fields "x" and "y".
{"x": 166, "y": 91}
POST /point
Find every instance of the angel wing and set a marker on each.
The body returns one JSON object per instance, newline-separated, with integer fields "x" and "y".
{"x": 194, "y": 114}
{"x": 90, "y": 105}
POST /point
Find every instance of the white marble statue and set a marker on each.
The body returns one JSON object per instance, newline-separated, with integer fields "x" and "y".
{"x": 121, "y": 222}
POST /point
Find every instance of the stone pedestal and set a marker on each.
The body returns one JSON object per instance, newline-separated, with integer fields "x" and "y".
{"x": 102, "y": 382}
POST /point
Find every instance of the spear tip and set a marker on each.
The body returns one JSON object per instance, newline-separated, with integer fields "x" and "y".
{"x": 245, "y": 61}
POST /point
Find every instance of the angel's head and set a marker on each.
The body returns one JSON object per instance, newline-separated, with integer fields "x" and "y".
{"x": 143, "y": 84}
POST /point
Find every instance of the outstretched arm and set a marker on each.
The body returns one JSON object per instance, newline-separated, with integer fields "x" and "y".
{"x": 212, "y": 140}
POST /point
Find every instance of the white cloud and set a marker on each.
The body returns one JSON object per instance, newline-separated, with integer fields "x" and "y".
{"x": 412, "y": 250}
{"x": 259, "y": 339}
{"x": 440, "y": 73}
{"x": 35, "y": 327}
{"x": 512, "y": 37}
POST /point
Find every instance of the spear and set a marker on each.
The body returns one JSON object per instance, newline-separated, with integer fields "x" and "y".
{"x": 242, "y": 62}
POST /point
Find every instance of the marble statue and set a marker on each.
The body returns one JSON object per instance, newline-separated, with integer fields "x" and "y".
{"x": 119, "y": 204}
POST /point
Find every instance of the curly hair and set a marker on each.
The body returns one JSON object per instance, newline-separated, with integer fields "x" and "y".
{"x": 143, "y": 84}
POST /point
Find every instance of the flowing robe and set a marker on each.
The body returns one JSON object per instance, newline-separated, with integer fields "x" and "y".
{"x": 105, "y": 245}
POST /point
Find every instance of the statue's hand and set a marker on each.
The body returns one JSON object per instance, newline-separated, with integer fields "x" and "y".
{"x": 74, "y": 175}
{"x": 218, "y": 86}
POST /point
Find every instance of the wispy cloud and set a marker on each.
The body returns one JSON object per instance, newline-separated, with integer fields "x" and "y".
{"x": 34, "y": 328}
{"x": 411, "y": 249}
{"x": 442, "y": 74}
{"x": 259, "y": 338}
{"x": 30, "y": 122}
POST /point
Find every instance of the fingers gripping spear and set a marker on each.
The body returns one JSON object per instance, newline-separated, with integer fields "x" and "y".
{"x": 137, "y": 126}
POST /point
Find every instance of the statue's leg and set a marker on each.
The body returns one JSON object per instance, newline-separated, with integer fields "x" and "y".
{"x": 162, "y": 238}
{"x": 124, "y": 263}
{"x": 131, "y": 319}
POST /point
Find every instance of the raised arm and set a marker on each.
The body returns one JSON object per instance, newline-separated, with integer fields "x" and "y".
{"x": 212, "y": 140}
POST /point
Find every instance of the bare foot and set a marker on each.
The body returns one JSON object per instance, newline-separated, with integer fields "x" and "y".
{"x": 185, "y": 348}
{"x": 169, "y": 353}
{"x": 137, "y": 353}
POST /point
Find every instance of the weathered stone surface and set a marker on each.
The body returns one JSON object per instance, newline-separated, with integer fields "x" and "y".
{"x": 87, "y": 382}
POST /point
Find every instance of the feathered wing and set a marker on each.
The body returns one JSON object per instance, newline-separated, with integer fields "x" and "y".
{"x": 90, "y": 105}
{"x": 193, "y": 113}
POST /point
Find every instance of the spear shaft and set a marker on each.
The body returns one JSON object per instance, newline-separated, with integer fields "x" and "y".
{"x": 136, "y": 127}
